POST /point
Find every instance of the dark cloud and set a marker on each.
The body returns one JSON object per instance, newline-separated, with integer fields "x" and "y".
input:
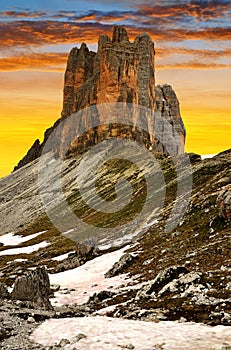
{"x": 22, "y": 14}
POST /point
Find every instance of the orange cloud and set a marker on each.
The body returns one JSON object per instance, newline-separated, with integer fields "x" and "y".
{"x": 169, "y": 51}
{"x": 204, "y": 10}
{"x": 22, "y": 14}
{"x": 194, "y": 65}
{"x": 36, "y": 61}
{"x": 57, "y": 61}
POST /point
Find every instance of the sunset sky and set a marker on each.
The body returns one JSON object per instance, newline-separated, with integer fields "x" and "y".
{"x": 192, "y": 40}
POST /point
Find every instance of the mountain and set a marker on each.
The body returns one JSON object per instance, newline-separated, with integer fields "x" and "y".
{"x": 120, "y": 71}
{"x": 102, "y": 229}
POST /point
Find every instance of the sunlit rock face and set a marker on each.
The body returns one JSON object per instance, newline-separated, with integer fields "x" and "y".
{"x": 123, "y": 72}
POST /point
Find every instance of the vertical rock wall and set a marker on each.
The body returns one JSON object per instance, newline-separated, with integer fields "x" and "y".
{"x": 120, "y": 71}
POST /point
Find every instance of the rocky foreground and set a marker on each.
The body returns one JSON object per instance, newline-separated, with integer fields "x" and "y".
{"x": 28, "y": 318}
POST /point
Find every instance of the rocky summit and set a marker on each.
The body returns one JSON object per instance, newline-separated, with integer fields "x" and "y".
{"x": 120, "y": 71}
{"x": 116, "y": 281}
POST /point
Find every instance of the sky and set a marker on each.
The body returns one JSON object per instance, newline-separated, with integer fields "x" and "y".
{"x": 193, "y": 54}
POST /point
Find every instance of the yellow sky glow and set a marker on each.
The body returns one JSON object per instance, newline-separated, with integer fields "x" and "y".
{"x": 32, "y": 101}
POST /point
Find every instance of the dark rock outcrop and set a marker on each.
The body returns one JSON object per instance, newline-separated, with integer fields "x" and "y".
{"x": 126, "y": 260}
{"x": 33, "y": 153}
{"x": 163, "y": 278}
{"x": 120, "y": 71}
{"x": 33, "y": 288}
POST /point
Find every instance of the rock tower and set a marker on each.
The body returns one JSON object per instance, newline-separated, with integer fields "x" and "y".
{"x": 120, "y": 71}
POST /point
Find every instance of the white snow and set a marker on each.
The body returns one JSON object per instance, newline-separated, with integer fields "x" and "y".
{"x": 17, "y": 260}
{"x": 24, "y": 250}
{"x": 151, "y": 223}
{"x": 62, "y": 257}
{"x": 205, "y": 156}
{"x": 87, "y": 280}
{"x": 51, "y": 161}
{"x": 11, "y": 239}
{"x": 68, "y": 231}
{"x": 103, "y": 333}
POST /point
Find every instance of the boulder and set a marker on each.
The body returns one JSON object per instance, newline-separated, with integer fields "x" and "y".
{"x": 33, "y": 288}
{"x": 184, "y": 285}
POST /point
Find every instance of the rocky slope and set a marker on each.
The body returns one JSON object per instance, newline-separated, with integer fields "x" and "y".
{"x": 22, "y": 212}
{"x": 182, "y": 275}
{"x": 120, "y": 71}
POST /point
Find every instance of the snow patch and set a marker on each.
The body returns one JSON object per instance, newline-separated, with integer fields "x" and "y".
{"x": 24, "y": 250}
{"x": 16, "y": 260}
{"x": 68, "y": 231}
{"x": 103, "y": 333}
{"x": 205, "y": 156}
{"x": 62, "y": 257}
{"x": 11, "y": 239}
{"x": 151, "y": 223}
{"x": 78, "y": 284}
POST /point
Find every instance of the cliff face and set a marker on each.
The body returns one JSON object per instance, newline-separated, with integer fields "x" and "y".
{"x": 120, "y": 71}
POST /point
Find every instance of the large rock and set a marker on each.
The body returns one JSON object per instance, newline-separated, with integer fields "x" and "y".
{"x": 34, "y": 288}
{"x": 185, "y": 284}
{"x": 120, "y": 71}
